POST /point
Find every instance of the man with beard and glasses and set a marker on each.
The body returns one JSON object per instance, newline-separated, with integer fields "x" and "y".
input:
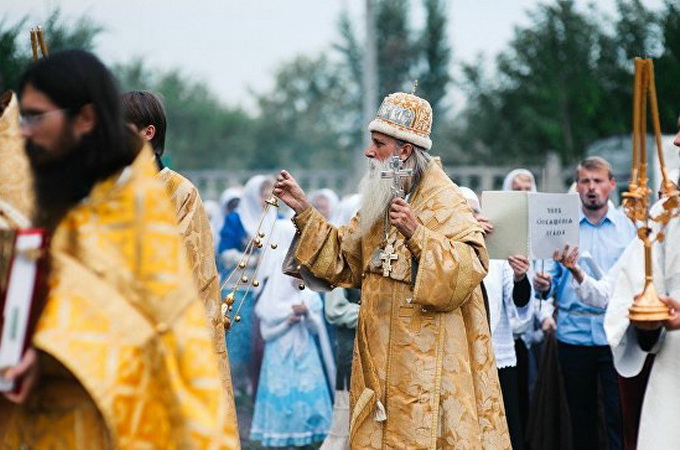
{"x": 423, "y": 374}
{"x": 121, "y": 356}
{"x": 585, "y": 357}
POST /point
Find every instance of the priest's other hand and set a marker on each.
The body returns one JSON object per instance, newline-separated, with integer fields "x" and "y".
{"x": 402, "y": 217}
{"x": 542, "y": 282}
{"x": 25, "y": 375}
{"x": 671, "y": 324}
{"x": 519, "y": 265}
{"x": 568, "y": 257}
{"x": 485, "y": 223}
{"x": 674, "y": 322}
{"x": 290, "y": 192}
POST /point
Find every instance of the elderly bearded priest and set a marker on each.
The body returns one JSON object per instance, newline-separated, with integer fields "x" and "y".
{"x": 423, "y": 375}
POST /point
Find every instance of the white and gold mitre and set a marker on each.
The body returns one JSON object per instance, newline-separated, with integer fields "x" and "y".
{"x": 406, "y": 117}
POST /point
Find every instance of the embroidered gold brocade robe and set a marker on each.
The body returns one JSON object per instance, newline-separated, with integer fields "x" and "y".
{"x": 423, "y": 350}
{"x": 194, "y": 227}
{"x": 16, "y": 187}
{"x": 126, "y": 330}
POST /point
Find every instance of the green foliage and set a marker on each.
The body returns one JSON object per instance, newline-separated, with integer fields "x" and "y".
{"x": 13, "y": 58}
{"x": 434, "y": 76}
{"x": 667, "y": 68}
{"x": 64, "y": 34}
{"x": 404, "y": 54}
{"x": 60, "y": 34}
{"x": 307, "y": 120}
{"x": 202, "y": 133}
{"x": 396, "y": 51}
{"x": 564, "y": 81}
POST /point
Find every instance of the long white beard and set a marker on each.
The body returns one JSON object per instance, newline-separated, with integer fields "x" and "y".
{"x": 376, "y": 195}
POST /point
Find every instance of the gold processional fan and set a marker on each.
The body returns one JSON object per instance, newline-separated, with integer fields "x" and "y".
{"x": 38, "y": 41}
{"x": 238, "y": 276}
{"x": 646, "y": 306}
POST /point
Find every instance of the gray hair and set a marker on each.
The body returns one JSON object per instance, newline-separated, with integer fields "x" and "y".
{"x": 421, "y": 161}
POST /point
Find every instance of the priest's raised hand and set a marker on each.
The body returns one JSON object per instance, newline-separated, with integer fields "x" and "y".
{"x": 290, "y": 192}
{"x": 403, "y": 218}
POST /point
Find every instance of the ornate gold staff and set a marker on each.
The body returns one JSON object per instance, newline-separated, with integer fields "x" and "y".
{"x": 38, "y": 41}
{"x": 261, "y": 240}
{"x": 34, "y": 44}
{"x": 41, "y": 41}
{"x": 646, "y": 306}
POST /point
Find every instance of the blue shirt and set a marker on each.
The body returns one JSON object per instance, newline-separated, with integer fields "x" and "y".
{"x": 578, "y": 323}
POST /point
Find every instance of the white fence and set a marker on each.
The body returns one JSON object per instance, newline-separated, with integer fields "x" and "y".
{"x": 550, "y": 177}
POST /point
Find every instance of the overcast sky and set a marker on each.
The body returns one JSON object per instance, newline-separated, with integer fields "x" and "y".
{"x": 236, "y": 46}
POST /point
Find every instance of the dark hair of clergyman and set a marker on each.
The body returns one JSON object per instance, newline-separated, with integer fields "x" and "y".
{"x": 143, "y": 108}
{"x": 74, "y": 78}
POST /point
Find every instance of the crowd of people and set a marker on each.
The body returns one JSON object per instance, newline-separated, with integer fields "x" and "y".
{"x": 379, "y": 320}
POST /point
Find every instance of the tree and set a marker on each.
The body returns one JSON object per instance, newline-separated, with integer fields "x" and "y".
{"x": 436, "y": 55}
{"x": 668, "y": 67}
{"x": 396, "y": 49}
{"x": 60, "y": 34}
{"x": 564, "y": 81}
{"x": 202, "y": 133}
{"x": 404, "y": 54}
{"x": 307, "y": 119}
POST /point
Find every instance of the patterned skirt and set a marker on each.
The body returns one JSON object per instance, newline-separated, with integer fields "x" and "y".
{"x": 293, "y": 405}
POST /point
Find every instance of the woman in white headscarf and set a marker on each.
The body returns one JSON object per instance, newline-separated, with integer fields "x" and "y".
{"x": 509, "y": 295}
{"x": 240, "y": 226}
{"x": 519, "y": 180}
{"x": 293, "y": 402}
{"x": 325, "y": 201}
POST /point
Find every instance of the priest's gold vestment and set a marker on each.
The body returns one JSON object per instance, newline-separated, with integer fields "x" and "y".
{"x": 16, "y": 188}
{"x": 194, "y": 227}
{"x": 424, "y": 374}
{"x": 128, "y": 358}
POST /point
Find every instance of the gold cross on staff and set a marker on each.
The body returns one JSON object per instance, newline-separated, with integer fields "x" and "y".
{"x": 387, "y": 256}
{"x": 416, "y": 313}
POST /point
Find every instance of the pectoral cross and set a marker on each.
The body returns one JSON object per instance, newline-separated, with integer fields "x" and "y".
{"x": 387, "y": 256}
{"x": 396, "y": 173}
{"x": 416, "y": 314}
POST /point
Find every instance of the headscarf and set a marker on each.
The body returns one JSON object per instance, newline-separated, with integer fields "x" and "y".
{"x": 281, "y": 292}
{"x": 346, "y": 209}
{"x": 330, "y": 195}
{"x": 250, "y": 207}
{"x": 509, "y": 178}
{"x": 215, "y": 216}
{"x": 228, "y": 195}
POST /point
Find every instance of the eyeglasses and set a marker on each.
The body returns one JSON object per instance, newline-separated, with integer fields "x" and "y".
{"x": 31, "y": 119}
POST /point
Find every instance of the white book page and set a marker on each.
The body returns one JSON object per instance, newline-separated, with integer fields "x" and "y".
{"x": 17, "y": 309}
{"x": 553, "y": 223}
{"x": 507, "y": 212}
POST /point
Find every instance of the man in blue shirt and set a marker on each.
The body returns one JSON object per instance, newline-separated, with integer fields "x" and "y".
{"x": 584, "y": 354}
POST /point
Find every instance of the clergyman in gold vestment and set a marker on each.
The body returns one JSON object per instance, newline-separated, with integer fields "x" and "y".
{"x": 146, "y": 112}
{"x": 16, "y": 190}
{"x": 125, "y": 357}
{"x": 423, "y": 375}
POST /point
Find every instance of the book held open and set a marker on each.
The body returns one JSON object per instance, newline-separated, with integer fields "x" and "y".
{"x": 22, "y": 266}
